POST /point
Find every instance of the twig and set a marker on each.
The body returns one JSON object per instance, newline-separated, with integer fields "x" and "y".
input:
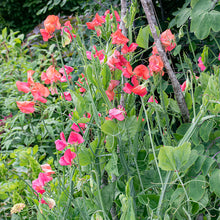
{"x": 148, "y": 9}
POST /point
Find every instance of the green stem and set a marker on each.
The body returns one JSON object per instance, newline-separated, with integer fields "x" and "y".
{"x": 100, "y": 196}
{"x": 187, "y": 32}
{"x": 215, "y": 40}
{"x": 152, "y": 145}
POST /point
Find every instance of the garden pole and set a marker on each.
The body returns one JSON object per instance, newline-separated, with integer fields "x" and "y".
{"x": 148, "y": 9}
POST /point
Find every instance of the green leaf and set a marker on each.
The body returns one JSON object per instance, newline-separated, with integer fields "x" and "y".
{"x": 201, "y": 5}
{"x": 193, "y": 157}
{"x": 85, "y": 157}
{"x": 197, "y": 188}
{"x": 35, "y": 149}
{"x": 188, "y": 100}
{"x": 107, "y": 193}
{"x": 110, "y": 128}
{"x": 112, "y": 167}
{"x": 214, "y": 182}
{"x": 106, "y": 76}
{"x": 207, "y": 165}
{"x": 79, "y": 103}
{"x": 171, "y": 158}
{"x": 143, "y": 37}
{"x": 181, "y": 154}
{"x": 127, "y": 208}
{"x": 4, "y": 33}
{"x": 89, "y": 75}
{"x": 205, "y": 130}
{"x": 193, "y": 3}
{"x": 111, "y": 143}
{"x": 151, "y": 200}
{"x": 166, "y": 159}
{"x": 182, "y": 17}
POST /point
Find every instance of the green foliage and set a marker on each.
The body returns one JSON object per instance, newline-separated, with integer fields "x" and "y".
{"x": 150, "y": 167}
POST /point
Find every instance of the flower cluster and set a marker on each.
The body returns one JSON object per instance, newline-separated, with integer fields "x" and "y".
{"x": 38, "y": 91}
{"x": 51, "y": 24}
{"x": 75, "y": 139}
{"x": 40, "y": 182}
{"x": 17, "y": 208}
{"x": 43, "y": 178}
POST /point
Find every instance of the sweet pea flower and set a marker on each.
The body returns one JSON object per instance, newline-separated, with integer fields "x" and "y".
{"x": 156, "y": 64}
{"x": 67, "y": 158}
{"x": 36, "y": 185}
{"x": 140, "y": 90}
{"x": 51, "y": 23}
{"x": 50, "y": 202}
{"x": 201, "y": 65}
{"x": 142, "y": 71}
{"x": 116, "y": 61}
{"x": 26, "y": 106}
{"x": 118, "y": 38}
{"x": 68, "y": 70}
{"x": 127, "y": 72}
{"x": 109, "y": 92}
{"x": 76, "y": 128}
{"x": 219, "y": 56}
{"x": 51, "y": 75}
{"x": 23, "y": 86}
{"x": 168, "y": 40}
{"x": 97, "y": 21}
{"x": 183, "y": 86}
{"x": 125, "y": 49}
{"x": 39, "y": 183}
{"x": 117, "y": 114}
{"x": 61, "y": 144}
{"x": 75, "y": 138}
{"x": 47, "y": 169}
{"x": 151, "y": 99}
{"x": 67, "y": 96}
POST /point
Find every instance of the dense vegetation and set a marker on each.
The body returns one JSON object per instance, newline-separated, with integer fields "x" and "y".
{"x": 101, "y": 121}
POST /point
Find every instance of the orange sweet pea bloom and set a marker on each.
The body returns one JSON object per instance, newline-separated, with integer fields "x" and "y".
{"x": 142, "y": 71}
{"x": 119, "y": 38}
{"x": 52, "y": 23}
{"x": 51, "y": 75}
{"x": 168, "y": 40}
{"x": 140, "y": 90}
{"x": 156, "y": 64}
{"x": 26, "y": 107}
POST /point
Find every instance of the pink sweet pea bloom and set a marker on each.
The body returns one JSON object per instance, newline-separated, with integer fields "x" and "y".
{"x": 75, "y": 138}
{"x": 61, "y": 144}
{"x": 118, "y": 38}
{"x": 39, "y": 183}
{"x": 23, "y": 86}
{"x": 47, "y": 169}
{"x": 37, "y": 186}
{"x": 44, "y": 178}
{"x": 201, "y": 65}
{"x": 68, "y": 70}
{"x": 183, "y": 86}
{"x": 76, "y": 128}
{"x": 26, "y": 106}
{"x": 89, "y": 55}
{"x": 151, "y": 99}
{"x": 219, "y": 56}
{"x": 67, "y": 96}
{"x": 67, "y": 158}
{"x": 125, "y": 49}
{"x": 46, "y": 36}
{"x": 140, "y": 90}
{"x": 117, "y": 114}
